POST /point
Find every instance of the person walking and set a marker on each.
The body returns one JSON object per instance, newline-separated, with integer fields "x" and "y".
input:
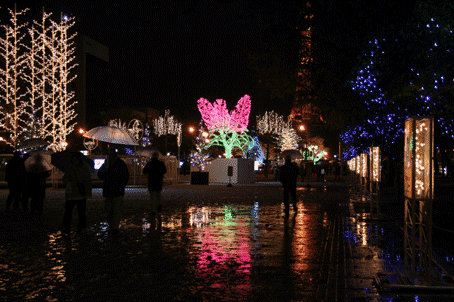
{"x": 155, "y": 170}
{"x": 77, "y": 180}
{"x": 288, "y": 176}
{"x": 16, "y": 178}
{"x": 37, "y": 172}
{"x": 115, "y": 176}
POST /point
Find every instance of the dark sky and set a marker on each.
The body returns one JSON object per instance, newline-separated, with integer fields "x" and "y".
{"x": 168, "y": 54}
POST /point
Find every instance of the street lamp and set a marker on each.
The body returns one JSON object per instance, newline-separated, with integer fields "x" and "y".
{"x": 302, "y": 128}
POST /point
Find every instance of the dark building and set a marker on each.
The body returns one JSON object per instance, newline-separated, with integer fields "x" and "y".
{"x": 91, "y": 84}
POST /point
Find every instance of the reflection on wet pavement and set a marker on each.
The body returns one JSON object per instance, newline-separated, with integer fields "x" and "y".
{"x": 207, "y": 244}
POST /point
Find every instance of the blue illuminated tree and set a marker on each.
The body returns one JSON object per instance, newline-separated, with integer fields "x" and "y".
{"x": 406, "y": 74}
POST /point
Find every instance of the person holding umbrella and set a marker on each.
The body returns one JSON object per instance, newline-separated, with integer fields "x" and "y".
{"x": 155, "y": 170}
{"x": 77, "y": 180}
{"x": 37, "y": 172}
{"x": 115, "y": 175}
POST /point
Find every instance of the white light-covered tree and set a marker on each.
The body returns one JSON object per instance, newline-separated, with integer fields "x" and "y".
{"x": 12, "y": 106}
{"x": 34, "y": 76}
{"x": 288, "y": 139}
{"x": 35, "y": 100}
{"x": 61, "y": 101}
{"x": 167, "y": 124}
{"x": 269, "y": 127}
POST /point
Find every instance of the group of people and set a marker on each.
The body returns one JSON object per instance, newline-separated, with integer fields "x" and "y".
{"x": 115, "y": 176}
{"x": 24, "y": 183}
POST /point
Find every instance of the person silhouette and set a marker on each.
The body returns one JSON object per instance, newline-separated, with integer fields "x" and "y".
{"x": 155, "y": 170}
{"x": 16, "y": 177}
{"x": 288, "y": 175}
{"x": 115, "y": 176}
{"x": 78, "y": 187}
{"x": 37, "y": 172}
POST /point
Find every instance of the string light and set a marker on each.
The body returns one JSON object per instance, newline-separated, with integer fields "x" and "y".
{"x": 43, "y": 106}
{"x": 165, "y": 125}
{"x": 199, "y": 157}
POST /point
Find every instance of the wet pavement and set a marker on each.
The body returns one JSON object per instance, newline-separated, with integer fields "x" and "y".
{"x": 210, "y": 243}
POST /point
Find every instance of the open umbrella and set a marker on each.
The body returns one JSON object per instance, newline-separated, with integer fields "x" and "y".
{"x": 294, "y": 154}
{"x": 62, "y": 160}
{"x": 32, "y": 143}
{"x": 111, "y": 135}
{"x": 147, "y": 151}
{"x": 38, "y": 161}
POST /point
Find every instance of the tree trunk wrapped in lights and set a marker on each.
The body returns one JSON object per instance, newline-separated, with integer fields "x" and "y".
{"x": 226, "y": 130}
{"x": 43, "y": 105}
{"x": 12, "y": 110}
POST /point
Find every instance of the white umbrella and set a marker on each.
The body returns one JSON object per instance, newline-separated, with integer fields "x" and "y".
{"x": 32, "y": 143}
{"x": 111, "y": 135}
{"x": 39, "y": 161}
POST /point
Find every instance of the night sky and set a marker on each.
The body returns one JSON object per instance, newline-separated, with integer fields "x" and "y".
{"x": 167, "y": 54}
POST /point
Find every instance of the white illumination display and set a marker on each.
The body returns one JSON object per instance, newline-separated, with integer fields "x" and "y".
{"x": 364, "y": 165}
{"x": 358, "y": 164}
{"x": 375, "y": 164}
{"x": 418, "y": 163}
{"x": 35, "y": 95}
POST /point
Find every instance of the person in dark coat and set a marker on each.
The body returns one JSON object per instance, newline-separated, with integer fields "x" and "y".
{"x": 115, "y": 175}
{"x": 288, "y": 175}
{"x": 155, "y": 170}
{"x": 78, "y": 187}
{"x": 37, "y": 172}
{"x": 16, "y": 179}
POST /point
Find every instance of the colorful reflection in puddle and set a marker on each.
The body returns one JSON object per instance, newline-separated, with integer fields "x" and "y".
{"x": 222, "y": 237}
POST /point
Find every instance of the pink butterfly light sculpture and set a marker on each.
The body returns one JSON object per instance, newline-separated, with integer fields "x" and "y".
{"x": 217, "y": 116}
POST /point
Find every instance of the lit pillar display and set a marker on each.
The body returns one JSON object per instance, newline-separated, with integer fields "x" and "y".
{"x": 375, "y": 164}
{"x": 418, "y": 169}
{"x": 418, "y": 191}
{"x": 358, "y": 164}
{"x": 364, "y": 165}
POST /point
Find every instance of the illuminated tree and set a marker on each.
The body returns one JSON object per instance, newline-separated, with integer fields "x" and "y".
{"x": 225, "y": 129}
{"x": 34, "y": 84}
{"x": 254, "y": 150}
{"x": 270, "y": 125}
{"x": 146, "y": 136}
{"x": 199, "y": 157}
{"x": 60, "y": 101}
{"x": 288, "y": 139}
{"x": 165, "y": 125}
{"x": 403, "y": 75}
{"x": 12, "y": 113}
